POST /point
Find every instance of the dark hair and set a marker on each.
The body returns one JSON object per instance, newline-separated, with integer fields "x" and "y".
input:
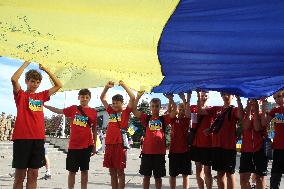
{"x": 84, "y": 92}
{"x": 156, "y": 100}
{"x": 118, "y": 97}
{"x": 224, "y": 93}
{"x": 33, "y": 74}
{"x": 204, "y": 91}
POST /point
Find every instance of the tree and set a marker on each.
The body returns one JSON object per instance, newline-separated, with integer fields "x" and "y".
{"x": 52, "y": 124}
{"x": 143, "y": 107}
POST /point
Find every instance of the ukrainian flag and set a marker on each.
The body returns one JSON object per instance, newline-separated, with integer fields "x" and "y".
{"x": 176, "y": 45}
{"x": 132, "y": 129}
{"x": 88, "y": 42}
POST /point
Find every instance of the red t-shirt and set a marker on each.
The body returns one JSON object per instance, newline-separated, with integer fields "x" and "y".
{"x": 113, "y": 134}
{"x": 202, "y": 140}
{"x": 179, "y": 134}
{"x": 30, "y": 119}
{"x": 226, "y": 138}
{"x": 154, "y": 140}
{"x": 277, "y": 115}
{"x": 80, "y": 132}
{"x": 252, "y": 140}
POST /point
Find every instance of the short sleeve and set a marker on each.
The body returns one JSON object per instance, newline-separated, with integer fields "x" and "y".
{"x": 128, "y": 110}
{"x": 44, "y": 96}
{"x": 68, "y": 111}
{"x": 236, "y": 113}
{"x": 167, "y": 119}
{"x": 18, "y": 95}
{"x": 109, "y": 110}
{"x": 212, "y": 111}
{"x": 143, "y": 119}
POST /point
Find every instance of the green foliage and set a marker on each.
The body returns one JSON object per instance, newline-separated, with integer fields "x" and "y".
{"x": 52, "y": 124}
{"x": 143, "y": 107}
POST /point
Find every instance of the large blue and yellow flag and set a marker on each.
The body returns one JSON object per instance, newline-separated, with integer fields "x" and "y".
{"x": 229, "y": 46}
{"x": 88, "y": 42}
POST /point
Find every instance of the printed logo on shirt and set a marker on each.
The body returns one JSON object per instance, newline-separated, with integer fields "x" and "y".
{"x": 219, "y": 113}
{"x": 80, "y": 120}
{"x": 155, "y": 125}
{"x": 35, "y": 105}
{"x": 278, "y": 118}
{"x": 112, "y": 118}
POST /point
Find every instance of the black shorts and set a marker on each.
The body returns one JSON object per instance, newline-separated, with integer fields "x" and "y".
{"x": 254, "y": 162}
{"x": 201, "y": 155}
{"x": 278, "y": 162}
{"x": 78, "y": 158}
{"x": 224, "y": 160}
{"x": 28, "y": 153}
{"x": 179, "y": 163}
{"x": 155, "y": 163}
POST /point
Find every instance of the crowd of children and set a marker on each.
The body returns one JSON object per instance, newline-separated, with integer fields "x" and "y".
{"x": 211, "y": 142}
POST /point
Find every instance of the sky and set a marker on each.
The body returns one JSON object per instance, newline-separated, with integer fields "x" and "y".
{"x": 64, "y": 99}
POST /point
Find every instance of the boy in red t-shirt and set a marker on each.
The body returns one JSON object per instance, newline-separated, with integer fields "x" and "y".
{"x": 83, "y": 136}
{"x": 115, "y": 154}
{"x": 224, "y": 140}
{"x": 154, "y": 145}
{"x": 253, "y": 159}
{"x": 179, "y": 162}
{"x": 29, "y": 134}
{"x": 200, "y": 151}
{"x": 276, "y": 116}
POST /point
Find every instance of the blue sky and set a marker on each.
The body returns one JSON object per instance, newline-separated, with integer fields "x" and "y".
{"x": 9, "y": 66}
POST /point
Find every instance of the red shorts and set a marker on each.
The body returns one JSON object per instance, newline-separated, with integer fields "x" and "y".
{"x": 115, "y": 156}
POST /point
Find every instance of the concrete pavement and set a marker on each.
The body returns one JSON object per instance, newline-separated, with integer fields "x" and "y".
{"x": 98, "y": 175}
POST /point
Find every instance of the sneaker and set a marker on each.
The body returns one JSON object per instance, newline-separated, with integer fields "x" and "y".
{"x": 46, "y": 177}
{"x": 12, "y": 175}
{"x": 253, "y": 186}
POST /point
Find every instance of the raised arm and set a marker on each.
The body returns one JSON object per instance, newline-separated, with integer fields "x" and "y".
{"x": 240, "y": 109}
{"x": 173, "y": 112}
{"x": 265, "y": 118}
{"x": 53, "y": 109}
{"x": 187, "y": 105}
{"x": 130, "y": 94}
{"x": 200, "y": 111}
{"x": 257, "y": 120}
{"x": 109, "y": 84}
{"x": 54, "y": 79}
{"x": 134, "y": 109}
{"x": 16, "y": 76}
{"x": 246, "y": 120}
{"x": 170, "y": 105}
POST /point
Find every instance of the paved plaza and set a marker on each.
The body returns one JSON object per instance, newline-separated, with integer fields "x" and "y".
{"x": 98, "y": 175}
